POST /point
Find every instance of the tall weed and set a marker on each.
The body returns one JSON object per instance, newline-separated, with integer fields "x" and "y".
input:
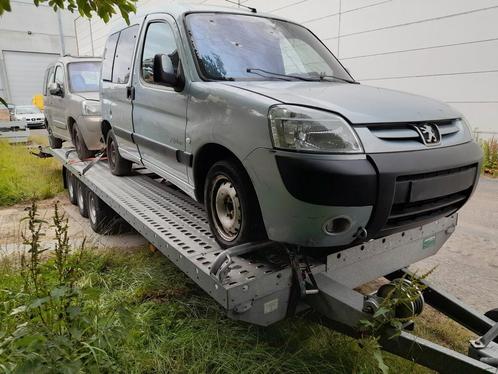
{"x": 50, "y": 324}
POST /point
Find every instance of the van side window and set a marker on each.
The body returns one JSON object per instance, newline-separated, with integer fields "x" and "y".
{"x": 159, "y": 39}
{"x": 124, "y": 54}
{"x": 59, "y": 75}
{"x": 110, "y": 50}
{"x": 49, "y": 78}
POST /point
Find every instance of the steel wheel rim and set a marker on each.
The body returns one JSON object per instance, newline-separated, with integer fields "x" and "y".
{"x": 70, "y": 188}
{"x": 81, "y": 200}
{"x": 226, "y": 209}
{"x": 92, "y": 210}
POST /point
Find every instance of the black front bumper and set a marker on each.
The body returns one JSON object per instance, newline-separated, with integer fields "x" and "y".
{"x": 406, "y": 189}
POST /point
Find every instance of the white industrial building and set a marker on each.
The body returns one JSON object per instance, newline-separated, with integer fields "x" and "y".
{"x": 446, "y": 49}
{"x": 30, "y": 39}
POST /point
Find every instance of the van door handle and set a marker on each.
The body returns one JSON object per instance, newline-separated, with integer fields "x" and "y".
{"x": 130, "y": 92}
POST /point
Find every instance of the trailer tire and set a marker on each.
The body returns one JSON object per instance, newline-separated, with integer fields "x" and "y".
{"x": 103, "y": 219}
{"x": 82, "y": 198}
{"x": 53, "y": 142}
{"x": 79, "y": 143}
{"x": 232, "y": 206}
{"x": 118, "y": 165}
{"x": 492, "y": 314}
{"x": 71, "y": 187}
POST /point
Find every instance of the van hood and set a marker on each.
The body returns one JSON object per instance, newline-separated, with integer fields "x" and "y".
{"x": 358, "y": 103}
{"x": 89, "y": 95}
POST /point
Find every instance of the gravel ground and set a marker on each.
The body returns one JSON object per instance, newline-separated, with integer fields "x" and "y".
{"x": 466, "y": 266}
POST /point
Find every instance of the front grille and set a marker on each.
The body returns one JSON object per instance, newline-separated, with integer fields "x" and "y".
{"x": 423, "y": 197}
{"x": 406, "y": 132}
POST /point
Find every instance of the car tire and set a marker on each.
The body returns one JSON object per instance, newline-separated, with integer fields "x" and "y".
{"x": 82, "y": 199}
{"x": 117, "y": 164}
{"x": 103, "y": 219}
{"x": 53, "y": 142}
{"x": 232, "y": 206}
{"x": 71, "y": 182}
{"x": 79, "y": 143}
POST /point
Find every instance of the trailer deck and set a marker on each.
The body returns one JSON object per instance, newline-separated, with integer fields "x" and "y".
{"x": 262, "y": 283}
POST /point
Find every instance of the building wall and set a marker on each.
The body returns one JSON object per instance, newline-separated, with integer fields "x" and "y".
{"x": 32, "y": 29}
{"x": 445, "y": 49}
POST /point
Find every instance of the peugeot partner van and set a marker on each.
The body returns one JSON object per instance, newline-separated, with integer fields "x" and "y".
{"x": 72, "y": 104}
{"x": 254, "y": 117}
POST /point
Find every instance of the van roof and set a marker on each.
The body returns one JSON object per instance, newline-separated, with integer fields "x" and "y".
{"x": 178, "y": 10}
{"x": 66, "y": 59}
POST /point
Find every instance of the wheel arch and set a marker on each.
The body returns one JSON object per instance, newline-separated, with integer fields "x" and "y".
{"x": 206, "y": 157}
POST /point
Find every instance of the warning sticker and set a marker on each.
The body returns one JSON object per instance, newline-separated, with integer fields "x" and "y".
{"x": 271, "y": 306}
{"x": 429, "y": 242}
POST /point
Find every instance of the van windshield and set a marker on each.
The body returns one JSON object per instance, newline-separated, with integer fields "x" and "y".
{"x": 84, "y": 76}
{"x": 244, "y": 47}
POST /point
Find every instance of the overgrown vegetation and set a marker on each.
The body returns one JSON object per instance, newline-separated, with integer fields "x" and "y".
{"x": 490, "y": 158}
{"x": 134, "y": 312}
{"x": 24, "y": 177}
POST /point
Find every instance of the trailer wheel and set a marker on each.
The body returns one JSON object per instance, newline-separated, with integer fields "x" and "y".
{"x": 79, "y": 143}
{"x": 232, "y": 206}
{"x": 53, "y": 142}
{"x": 117, "y": 164}
{"x": 82, "y": 198}
{"x": 103, "y": 220}
{"x": 71, "y": 187}
{"x": 492, "y": 314}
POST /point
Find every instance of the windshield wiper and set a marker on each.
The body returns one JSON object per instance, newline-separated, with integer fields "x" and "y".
{"x": 255, "y": 70}
{"x": 325, "y": 76}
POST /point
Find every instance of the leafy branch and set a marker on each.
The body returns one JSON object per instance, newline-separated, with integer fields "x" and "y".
{"x": 105, "y": 9}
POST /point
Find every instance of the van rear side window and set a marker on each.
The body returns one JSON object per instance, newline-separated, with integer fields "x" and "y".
{"x": 124, "y": 53}
{"x": 107, "y": 64}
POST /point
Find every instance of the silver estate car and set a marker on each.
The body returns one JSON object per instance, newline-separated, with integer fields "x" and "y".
{"x": 72, "y": 104}
{"x": 254, "y": 117}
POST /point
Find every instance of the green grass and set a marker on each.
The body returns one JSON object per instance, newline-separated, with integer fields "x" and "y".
{"x": 24, "y": 177}
{"x": 163, "y": 323}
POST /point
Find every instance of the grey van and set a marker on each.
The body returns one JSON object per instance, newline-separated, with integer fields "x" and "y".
{"x": 254, "y": 117}
{"x": 72, "y": 104}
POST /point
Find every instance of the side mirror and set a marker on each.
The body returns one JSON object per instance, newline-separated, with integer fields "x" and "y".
{"x": 55, "y": 89}
{"x": 164, "y": 71}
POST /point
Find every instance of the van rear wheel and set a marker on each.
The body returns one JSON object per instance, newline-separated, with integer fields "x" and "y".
{"x": 117, "y": 164}
{"x": 232, "y": 206}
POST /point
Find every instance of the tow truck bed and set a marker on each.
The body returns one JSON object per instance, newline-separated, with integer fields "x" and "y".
{"x": 262, "y": 283}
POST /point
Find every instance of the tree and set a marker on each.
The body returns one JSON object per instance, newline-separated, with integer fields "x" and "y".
{"x": 105, "y": 9}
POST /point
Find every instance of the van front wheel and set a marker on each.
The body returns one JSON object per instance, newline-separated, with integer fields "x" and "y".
{"x": 232, "y": 206}
{"x": 53, "y": 142}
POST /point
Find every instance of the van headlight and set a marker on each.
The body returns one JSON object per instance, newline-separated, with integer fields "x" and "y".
{"x": 90, "y": 108}
{"x": 303, "y": 129}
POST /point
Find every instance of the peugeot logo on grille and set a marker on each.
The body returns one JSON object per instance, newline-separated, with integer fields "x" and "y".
{"x": 429, "y": 133}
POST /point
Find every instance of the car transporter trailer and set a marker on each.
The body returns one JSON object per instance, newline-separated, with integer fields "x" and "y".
{"x": 262, "y": 283}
